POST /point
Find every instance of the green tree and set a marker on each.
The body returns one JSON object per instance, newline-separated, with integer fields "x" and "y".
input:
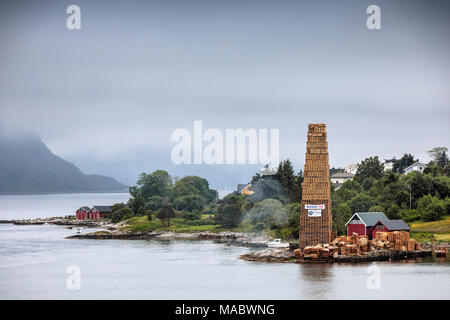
{"x": 192, "y": 202}
{"x": 376, "y": 209}
{"x": 390, "y": 190}
{"x": 135, "y": 204}
{"x": 439, "y": 156}
{"x": 431, "y": 208}
{"x": 418, "y": 185}
{"x": 348, "y": 190}
{"x": 158, "y": 183}
{"x": 193, "y": 185}
{"x": 370, "y": 167}
{"x": 165, "y": 214}
{"x": 284, "y": 185}
{"x": 121, "y": 214}
{"x": 149, "y": 214}
{"x": 192, "y": 215}
{"x": 403, "y": 162}
{"x": 293, "y": 221}
{"x": 340, "y": 218}
{"x": 229, "y": 210}
{"x": 393, "y": 212}
{"x": 361, "y": 203}
{"x": 154, "y": 203}
{"x": 286, "y": 177}
{"x": 117, "y": 206}
{"x": 368, "y": 183}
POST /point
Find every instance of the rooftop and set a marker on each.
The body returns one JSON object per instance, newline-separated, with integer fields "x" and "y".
{"x": 342, "y": 175}
{"x": 369, "y": 218}
{"x": 393, "y": 225}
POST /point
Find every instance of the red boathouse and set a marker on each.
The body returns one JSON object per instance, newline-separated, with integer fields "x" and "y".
{"x": 100, "y": 212}
{"x": 389, "y": 226}
{"x": 83, "y": 213}
{"x": 362, "y": 222}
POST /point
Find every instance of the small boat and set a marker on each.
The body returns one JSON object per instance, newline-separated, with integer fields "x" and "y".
{"x": 440, "y": 251}
{"x": 276, "y": 243}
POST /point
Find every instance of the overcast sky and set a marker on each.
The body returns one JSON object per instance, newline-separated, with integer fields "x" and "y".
{"x": 107, "y": 97}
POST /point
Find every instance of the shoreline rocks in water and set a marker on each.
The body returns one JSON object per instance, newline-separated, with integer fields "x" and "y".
{"x": 287, "y": 255}
{"x": 270, "y": 255}
{"x": 229, "y": 238}
{"x": 62, "y": 221}
{"x": 377, "y": 250}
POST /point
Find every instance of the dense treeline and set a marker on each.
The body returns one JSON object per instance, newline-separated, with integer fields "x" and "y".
{"x": 161, "y": 196}
{"x": 274, "y": 207}
{"x": 411, "y": 197}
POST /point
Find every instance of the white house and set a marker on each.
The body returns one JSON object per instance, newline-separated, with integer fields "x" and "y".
{"x": 339, "y": 178}
{"x": 389, "y": 164}
{"x": 418, "y": 166}
{"x": 351, "y": 168}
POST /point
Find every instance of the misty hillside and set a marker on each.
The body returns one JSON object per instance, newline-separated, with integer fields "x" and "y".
{"x": 28, "y": 166}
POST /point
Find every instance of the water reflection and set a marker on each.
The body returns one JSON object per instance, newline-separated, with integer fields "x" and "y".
{"x": 316, "y": 280}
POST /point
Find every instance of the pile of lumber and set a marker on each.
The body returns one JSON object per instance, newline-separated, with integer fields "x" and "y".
{"x": 316, "y": 189}
{"x": 359, "y": 245}
{"x": 397, "y": 240}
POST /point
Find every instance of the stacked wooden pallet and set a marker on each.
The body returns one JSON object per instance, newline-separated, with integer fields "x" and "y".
{"x": 398, "y": 240}
{"x": 316, "y": 228}
{"x": 359, "y": 245}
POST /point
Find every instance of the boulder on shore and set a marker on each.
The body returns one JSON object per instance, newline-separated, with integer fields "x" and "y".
{"x": 270, "y": 255}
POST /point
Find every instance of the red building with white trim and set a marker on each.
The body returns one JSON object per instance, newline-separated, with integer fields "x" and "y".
{"x": 100, "y": 212}
{"x": 362, "y": 222}
{"x": 389, "y": 226}
{"x": 83, "y": 213}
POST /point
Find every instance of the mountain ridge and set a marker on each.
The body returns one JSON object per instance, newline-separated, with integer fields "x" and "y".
{"x": 27, "y": 165}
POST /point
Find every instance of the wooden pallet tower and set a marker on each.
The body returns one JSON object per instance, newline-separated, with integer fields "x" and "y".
{"x": 315, "y": 218}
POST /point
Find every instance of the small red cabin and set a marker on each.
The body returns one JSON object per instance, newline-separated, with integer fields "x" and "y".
{"x": 100, "y": 212}
{"x": 83, "y": 213}
{"x": 362, "y": 222}
{"x": 389, "y": 226}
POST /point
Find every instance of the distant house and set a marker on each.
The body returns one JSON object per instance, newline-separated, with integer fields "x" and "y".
{"x": 83, "y": 213}
{"x": 389, "y": 226}
{"x": 389, "y": 164}
{"x": 362, "y": 222}
{"x": 99, "y": 212}
{"x": 418, "y": 166}
{"x": 351, "y": 168}
{"x": 244, "y": 189}
{"x": 340, "y": 177}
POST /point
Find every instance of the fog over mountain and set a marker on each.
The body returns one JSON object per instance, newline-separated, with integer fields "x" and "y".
{"x": 108, "y": 96}
{"x": 28, "y": 166}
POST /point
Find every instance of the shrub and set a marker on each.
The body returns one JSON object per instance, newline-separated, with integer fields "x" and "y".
{"x": 149, "y": 214}
{"x": 431, "y": 208}
{"x": 154, "y": 203}
{"x": 191, "y": 202}
{"x": 194, "y": 215}
{"x": 361, "y": 203}
{"x": 410, "y": 215}
{"x": 118, "y": 215}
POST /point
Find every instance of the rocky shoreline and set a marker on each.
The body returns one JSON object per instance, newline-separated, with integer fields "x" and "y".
{"x": 287, "y": 255}
{"x": 263, "y": 254}
{"x": 61, "y": 221}
{"x": 228, "y": 238}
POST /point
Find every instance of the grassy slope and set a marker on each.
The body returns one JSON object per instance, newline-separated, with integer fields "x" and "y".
{"x": 436, "y": 231}
{"x": 141, "y": 224}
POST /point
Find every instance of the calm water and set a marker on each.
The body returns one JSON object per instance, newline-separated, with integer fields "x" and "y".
{"x": 53, "y": 205}
{"x": 34, "y": 260}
